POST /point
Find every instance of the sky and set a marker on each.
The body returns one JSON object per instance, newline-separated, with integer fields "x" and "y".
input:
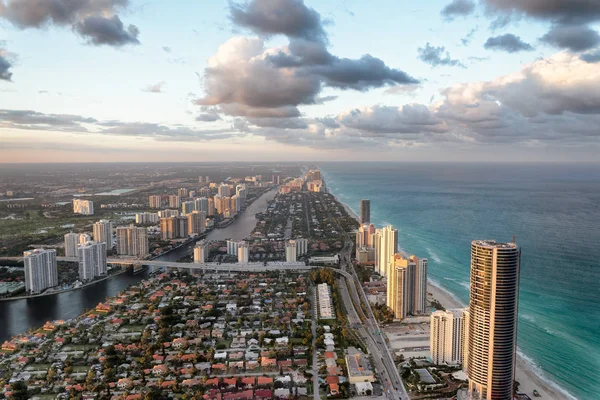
{"x": 299, "y": 80}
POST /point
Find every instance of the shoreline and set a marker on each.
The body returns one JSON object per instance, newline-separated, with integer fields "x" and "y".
{"x": 528, "y": 375}
{"x": 65, "y": 290}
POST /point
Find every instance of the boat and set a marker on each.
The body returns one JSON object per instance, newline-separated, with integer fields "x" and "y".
{"x": 536, "y": 393}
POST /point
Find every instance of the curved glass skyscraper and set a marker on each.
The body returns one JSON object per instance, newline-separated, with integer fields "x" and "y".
{"x": 493, "y": 311}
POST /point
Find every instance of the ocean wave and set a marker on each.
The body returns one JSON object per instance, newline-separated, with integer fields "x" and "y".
{"x": 437, "y": 284}
{"x": 537, "y": 370}
{"x": 433, "y": 255}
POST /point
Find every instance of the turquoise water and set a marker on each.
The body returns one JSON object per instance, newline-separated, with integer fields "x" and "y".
{"x": 554, "y": 212}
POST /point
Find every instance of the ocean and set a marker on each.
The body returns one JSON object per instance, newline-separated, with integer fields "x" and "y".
{"x": 554, "y": 212}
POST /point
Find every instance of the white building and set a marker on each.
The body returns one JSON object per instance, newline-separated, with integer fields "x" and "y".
{"x": 324, "y": 301}
{"x": 386, "y": 243}
{"x": 168, "y": 213}
{"x": 201, "y": 251}
{"x": 224, "y": 190}
{"x": 103, "y": 232}
{"x": 92, "y": 260}
{"x": 71, "y": 243}
{"x": 236, "y": 203}
{"x": 243, "y": 252}
{"x": 232, "y": 247}
{"x": 40, "y": 270}
{"x": 201, "y": 204}
{"x": 447, "y": 337}
{"x": 301, "y": 246}
{"x": 420, "y": 289}
{"x": 290, "y": 251}
{"x": 84, "y": 207}
{"x": 146, "y": 218}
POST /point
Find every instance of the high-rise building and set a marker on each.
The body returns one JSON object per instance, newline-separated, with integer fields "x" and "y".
{"x": 232, "y": 247}
{"x": 207, "y": 179}
{"x": 155, "y": 201}
{"x": 41, "y": 271}
{"x": 201, "y": 204}
{"x": 365, "y": 211}
{"x": 465, "y": 340}
{"x": 146, "y": 218}
{"x": 211, "y": 207}
{"x": 187, "y": 207}
{"x": 447, "y": 337}
{"x": 174, "y": 201}
{"x": 407, "y": 286}
{"x": 174, "y": 227}
{"x": 168, "y": 213}
{"x": 236, "y": 203}
{"x": 493, "y": 309}
{"x": 192, "y": 193}
{"x": 386, "y": 246}
{"x": 365, "y": 241}
{"x": 84, "y": 238}
{"x": 204, "y": 192}
{"x": 132, "y": 241}
{"x": 301, "y": 246}
{"x": 71, "y": 243}
{"x": 103, "y": 233}
{"x": 243, "y": 252}
{"x": 182, "y": 193}
{"x": 92, "y": 260}
{"x": 276, "y": 179}
{"x": 201, "y": 251}
{"x": 290, "y": 251}
{"x": 224, "y": 190}
{"x": 196, "y": 222}
{"x": 84, "y": 207}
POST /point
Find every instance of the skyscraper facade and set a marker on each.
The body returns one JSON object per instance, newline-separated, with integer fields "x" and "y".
{"x": 103, "y": 233}
{"x": 493, "y": 309}
{"x": 387, "y": 244}
{"x": 243, "y": 252}
{"x": 232, "y": 247}
{"x": 71, "y": 243}
{"x": 196, "y": 222}
{"x": 41, "y": 271}
{"x": 201, "y": 252}
{"x": 301, "y": 246}
{"x": 155, "y": 201}
{"x": 182, "y": 193}
{"x": 84, "y": 207}
{"x": 132, "y": 241}
{"x": 290, "y": 251}
{"x": 407, "y": 286}
{"x": 447, "y": 337}
{"x": 174, "y": 201}
{"x": 187, "y": 207}
{"x": 201, "y": 204}
{"x": 365, "y": 211}
{"x": 92, "y": 260}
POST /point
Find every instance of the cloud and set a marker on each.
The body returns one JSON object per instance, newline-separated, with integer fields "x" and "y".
{"x": 96, "y": 20}
{"x": 591, "y": 57}
{"x": 508, "y": 43}
{"x": 28, "y": 119}
{"x": 469, "y": 36}
{"x": 458, "y": 8}
{"x": 208, "y": 114}
{"x": 291, "y": 18}
{"x": 437, "y": 56}
{"x": 5, "y": 65}
{"x": 410, "y": 118}
{"x": 155, "y": 88}
{"x": 563, "y": 11}
{"x": 110, "y": 31}
{"x": 245, "y": 78}
{"x": 166, "y": 49}
{"x": 572, "y": 37}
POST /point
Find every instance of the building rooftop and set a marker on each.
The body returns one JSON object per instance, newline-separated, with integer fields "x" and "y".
{"x": 495, "y": 245}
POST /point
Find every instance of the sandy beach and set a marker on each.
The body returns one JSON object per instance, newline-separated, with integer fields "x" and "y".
{"x": 525, "y": 375}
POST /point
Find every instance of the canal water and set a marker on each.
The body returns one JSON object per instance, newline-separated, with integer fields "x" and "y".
{"x": 18, "y": 316}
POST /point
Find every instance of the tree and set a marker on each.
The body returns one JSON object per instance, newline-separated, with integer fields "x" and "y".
{"x": 19, "y": 391}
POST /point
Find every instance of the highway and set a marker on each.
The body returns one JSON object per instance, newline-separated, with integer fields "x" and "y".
{"x": 369, "y": 330}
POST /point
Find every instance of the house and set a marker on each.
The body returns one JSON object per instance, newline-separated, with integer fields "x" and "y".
{"x": 230, "y": 382}
{"x": 263, "y": 394}
{"x": 264, "y": 381}
{"x": 245, "y": 395}
{"x": 364, "y": 388}
{"x": 282, "y": 393}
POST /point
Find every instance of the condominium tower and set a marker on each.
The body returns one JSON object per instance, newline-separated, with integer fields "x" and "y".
{"x": 40, "y": 270}
{"x": 155, "y": 201}
{"x": 386, "y": 243}
{"x": 201, "y": 251}
{"x": 132, "y": 241}
{"x": 103, "y": 233}
{"x": 71, "y": 243}
{"x": 365, "y": 211}
{"x": 492, "y": 324}
{"x": 290, "y": 251}
{"x": 84, "y": 207}
{"x": 92, "y": 260}
{"x": 447, "y": 337}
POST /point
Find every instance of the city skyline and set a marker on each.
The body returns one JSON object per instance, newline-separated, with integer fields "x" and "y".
{"x": 446, "y": 81}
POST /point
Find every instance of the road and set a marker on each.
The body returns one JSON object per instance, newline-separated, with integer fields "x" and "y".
{"x": 368, "y": 328}
{"x": 315, "y": 366}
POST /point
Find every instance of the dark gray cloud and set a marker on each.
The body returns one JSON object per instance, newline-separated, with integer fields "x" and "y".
{"x": 5, "y": 65}
{"x": 563, "y": 11}
{"x": 107, "y": 31}
{"x": 437, "y": 56}
{"x": 572, "y": 37}
{"x": 591, "y": 57}
{"x": 208, "y": 114}
{"x": 458, "y": 8}
{"x": 291, "y": 18}
{"x": 96, "y": 20}
{"x": 28, "y": 119}
{"x": 282, "y": 123}
{"x": 508, "y": 42}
